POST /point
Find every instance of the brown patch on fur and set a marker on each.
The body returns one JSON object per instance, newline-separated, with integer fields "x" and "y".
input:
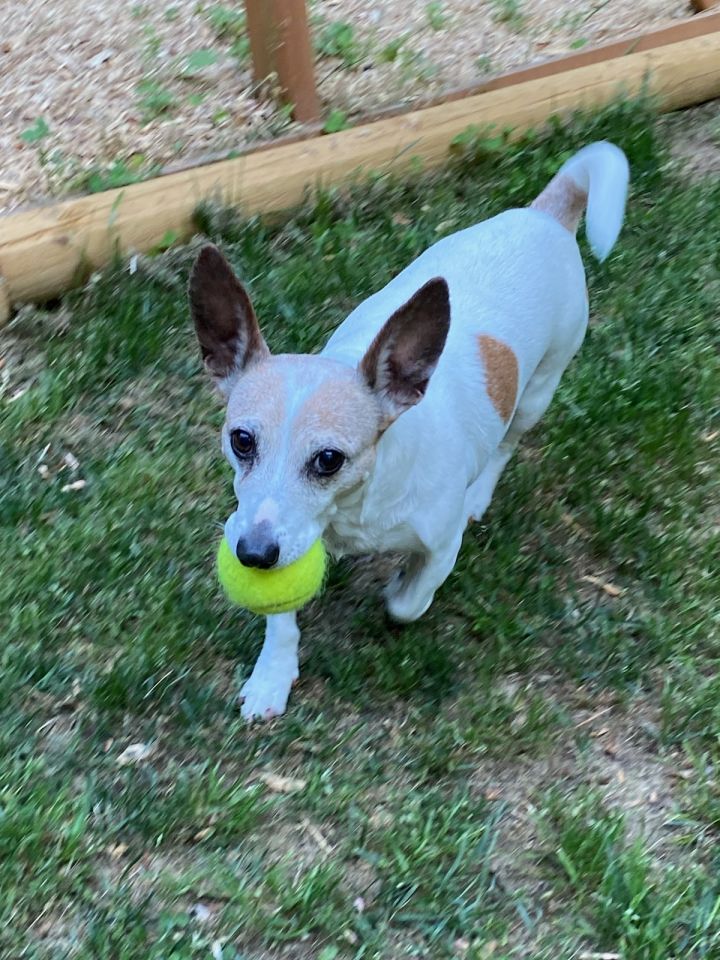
{"x": 340, "y": 406}
{"x": 501, "y": 372}
{"x": 563, "y": 200}
{"x": 327, "y": 402}
{"x": 260, "y": 393}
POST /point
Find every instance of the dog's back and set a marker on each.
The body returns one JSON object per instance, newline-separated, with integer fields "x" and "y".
{"x": 506, "y": 273}
{"x": 519, "y": 309}
{"x": 517, "y": 277}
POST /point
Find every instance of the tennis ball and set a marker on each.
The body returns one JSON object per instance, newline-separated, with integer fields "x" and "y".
{"x": 272, "y": 591}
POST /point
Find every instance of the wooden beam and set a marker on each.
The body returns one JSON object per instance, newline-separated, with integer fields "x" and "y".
{"x": 673, "y": 32}
{"x": 280, "y": 44}
{"x": 45, "y": 250}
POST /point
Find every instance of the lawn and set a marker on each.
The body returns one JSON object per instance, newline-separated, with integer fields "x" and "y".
{"x": 529, "y": 771}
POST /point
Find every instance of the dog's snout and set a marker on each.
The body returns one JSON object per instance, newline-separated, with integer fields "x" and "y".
{"x": 259, "y": 549}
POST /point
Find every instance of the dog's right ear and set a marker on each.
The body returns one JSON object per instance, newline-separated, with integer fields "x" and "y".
{"x": 225, "y": 322}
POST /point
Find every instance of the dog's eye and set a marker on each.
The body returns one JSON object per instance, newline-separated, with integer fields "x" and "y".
{"x": 242, "y": 443}
{"x": 327, "y": 462}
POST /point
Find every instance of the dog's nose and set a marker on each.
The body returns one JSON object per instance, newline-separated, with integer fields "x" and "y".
{"x": 260, "y": 555}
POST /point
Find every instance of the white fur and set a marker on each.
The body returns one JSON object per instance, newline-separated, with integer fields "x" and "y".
{"x": 601, "y": 171}
{"x": 518, "y": 278}
{"x": 269, "y": 510}
{"x": 265, "y": 694}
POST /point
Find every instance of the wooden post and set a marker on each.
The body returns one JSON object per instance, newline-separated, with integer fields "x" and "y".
{"x": 280, "y": 43}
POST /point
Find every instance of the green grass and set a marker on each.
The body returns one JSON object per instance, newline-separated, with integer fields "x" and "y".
{"x": 119, "y": 173}
{"x": 620, "y": 899}
{"x": 445, "y": 809}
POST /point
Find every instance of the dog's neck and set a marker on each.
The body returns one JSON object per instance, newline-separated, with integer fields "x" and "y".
{"x": 345, "y": 532}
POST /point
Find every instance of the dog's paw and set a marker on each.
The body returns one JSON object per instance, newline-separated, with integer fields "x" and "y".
{"x": 404, "y": 606}
{"x": 395, "y": 585}
{"x": 264, "y": 696}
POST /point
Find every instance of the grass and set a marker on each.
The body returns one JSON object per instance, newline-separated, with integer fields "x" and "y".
{"x": 456, "y": 795}
{"x": 621, "y": 901}
{"x": 119, "y": 173}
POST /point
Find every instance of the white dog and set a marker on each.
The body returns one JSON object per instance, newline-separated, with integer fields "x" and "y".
{"x": 393, "y": 438}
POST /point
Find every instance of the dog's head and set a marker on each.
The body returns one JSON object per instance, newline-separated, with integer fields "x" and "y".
{"x": 300, "y": 430}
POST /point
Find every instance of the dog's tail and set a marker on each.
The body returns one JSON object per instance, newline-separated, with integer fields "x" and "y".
{"x": 596, "y": 177}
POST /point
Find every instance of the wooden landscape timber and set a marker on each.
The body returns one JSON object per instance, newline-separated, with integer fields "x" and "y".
{"x": 46, "y": 250}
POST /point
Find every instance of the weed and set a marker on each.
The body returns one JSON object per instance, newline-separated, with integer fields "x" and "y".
{"x": 273, "y": 125}
{"x": 229, "y": 26}
{"x": 240, "y": 50}
{"x": 509, "y": 12}
{"x": 571, "y": 20}
{"x": 436, "y": 15}
{"x": 389, "y": 53}
{"x": 416, "y": 65}
{"x": 36, "y": 133}
{"x": 227, "y": 23}
{"x": 119, "y": 173}
{"x": 198, "y": 61}
{"x": 337, "y": 39}
{"x": 154, "y": 100}
{"x": 153, "y": 43}
{"x": 337, "y": 120}
{"x": 221, "y": 117}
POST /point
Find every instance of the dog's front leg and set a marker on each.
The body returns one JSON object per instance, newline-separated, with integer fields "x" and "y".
{"x": 265, "y": 694}
{"x": 410, "y": 595}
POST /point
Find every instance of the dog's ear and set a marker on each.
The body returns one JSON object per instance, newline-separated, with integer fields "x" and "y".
{"x": 401, "y": 359}
{"x": 225, "y": 321}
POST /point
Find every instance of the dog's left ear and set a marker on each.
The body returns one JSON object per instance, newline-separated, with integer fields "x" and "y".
{"x": 401, "y": 359}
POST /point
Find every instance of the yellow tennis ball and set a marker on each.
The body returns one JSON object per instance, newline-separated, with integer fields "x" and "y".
{"x": 272, "y": 591}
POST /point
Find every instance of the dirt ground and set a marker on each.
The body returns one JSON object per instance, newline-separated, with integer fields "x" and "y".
{"x": 94, "y": 101}
{"x": 694, "y": 138}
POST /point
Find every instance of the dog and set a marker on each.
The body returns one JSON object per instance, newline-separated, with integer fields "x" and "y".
{"x": 394, "y": 436}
